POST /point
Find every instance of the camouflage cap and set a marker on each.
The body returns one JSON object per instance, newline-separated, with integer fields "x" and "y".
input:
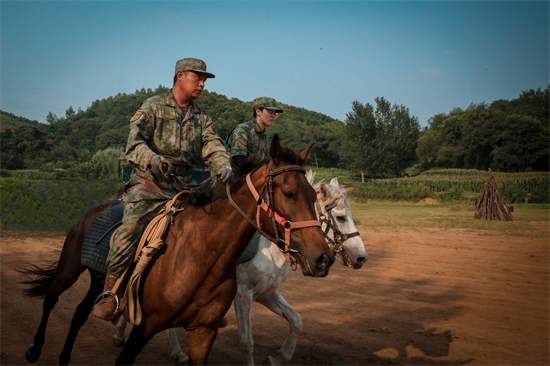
{"x": 193, "y": 64}
{"x": 267, "y": 103}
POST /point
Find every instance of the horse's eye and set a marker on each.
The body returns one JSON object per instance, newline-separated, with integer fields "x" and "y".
{"x": 341, "y": 218}
{"x": 288, "y": 194}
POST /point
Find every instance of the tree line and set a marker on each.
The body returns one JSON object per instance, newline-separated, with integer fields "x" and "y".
{"x": 78, "y": 136}
{"x": 506, "y": 136}
{"x": 380, "y": 140}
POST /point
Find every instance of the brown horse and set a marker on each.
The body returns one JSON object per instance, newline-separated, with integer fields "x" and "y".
{"x": 193, "y": 280}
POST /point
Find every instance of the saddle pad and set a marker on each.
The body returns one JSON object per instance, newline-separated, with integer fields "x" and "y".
{"x": 95, "y": 247}
{"x": 251, "y": 249}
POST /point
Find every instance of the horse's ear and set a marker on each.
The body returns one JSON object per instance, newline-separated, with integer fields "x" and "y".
{"x": 325, "y": 192}
{"x": 276, "y": 151}
{"x": 304, "y": 154}
{"x": 334, "y": 183}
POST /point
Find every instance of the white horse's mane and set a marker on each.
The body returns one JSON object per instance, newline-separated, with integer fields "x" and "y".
{"x": 310, "y": 176}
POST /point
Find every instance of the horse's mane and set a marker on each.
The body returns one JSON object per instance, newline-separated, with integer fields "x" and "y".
{"x": 210, "y": 193}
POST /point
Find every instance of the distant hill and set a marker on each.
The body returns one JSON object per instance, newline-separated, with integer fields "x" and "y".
{"x": 508, "y": 136}
{"x": 11, "y": 121}
{"x": 76, "y": 137}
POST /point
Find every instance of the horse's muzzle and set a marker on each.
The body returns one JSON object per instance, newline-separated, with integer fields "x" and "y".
{"x": 321, "y": 266}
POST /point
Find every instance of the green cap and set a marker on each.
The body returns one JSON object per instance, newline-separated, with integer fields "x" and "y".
{"x": 193, "y": 64}
{"x": 267, "y": 103}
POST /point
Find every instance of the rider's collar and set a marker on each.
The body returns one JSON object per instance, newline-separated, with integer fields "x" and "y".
{"x": 170, "y": 100}
{"x": 257, "y": 127}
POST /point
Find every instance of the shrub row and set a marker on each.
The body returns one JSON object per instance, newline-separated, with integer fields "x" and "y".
{"x": 49, "y": 203}
{"x": 458, "y": 185}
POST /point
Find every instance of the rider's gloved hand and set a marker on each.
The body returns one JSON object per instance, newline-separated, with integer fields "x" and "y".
{"x": 160, "y": 166}
{"x": 225, "y": 173}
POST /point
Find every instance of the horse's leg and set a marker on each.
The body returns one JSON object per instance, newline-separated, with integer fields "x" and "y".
{"x": 135, "y": 343}
{"x": 34, "y": 350}
{"x": 277, "y": 303}
{"x": 79, "y": 318}
{"x": 65, "y": 277}
{"x": 200, "y": 343}
{"x": 243, "y": 306}
{"x": 118, "y": 339}
{"x": 175, "y": 348}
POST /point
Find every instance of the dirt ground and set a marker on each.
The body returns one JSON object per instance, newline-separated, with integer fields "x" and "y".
{"x": 429, "y": 298}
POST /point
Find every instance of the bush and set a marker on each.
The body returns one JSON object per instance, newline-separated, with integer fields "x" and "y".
{"x": 47, "y": 167}
{"x": 31, "y": 175}
{"x": 49, "y": 204}
{"x": 450, "y": 195}
{"x": 83, "y": 171}
{"x": 414, "y": 170}
{"x": 513, "y": 193}
{"x": 369, "y": 190}
{"x": 5, "y": 173}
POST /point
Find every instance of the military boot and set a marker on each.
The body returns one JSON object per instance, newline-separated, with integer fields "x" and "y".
{"x": 107, "y": 303}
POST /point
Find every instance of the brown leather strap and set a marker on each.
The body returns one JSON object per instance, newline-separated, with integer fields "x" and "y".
{"x": 276, "y": 218}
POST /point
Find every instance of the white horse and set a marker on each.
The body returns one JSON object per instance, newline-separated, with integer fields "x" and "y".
{"x": 259, "y": 278}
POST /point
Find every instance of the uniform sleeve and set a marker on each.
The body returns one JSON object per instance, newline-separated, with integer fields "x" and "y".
{"x": 213, "y": 151}
{"x": 238, "y": 142}
{"x": 142, "y": 127}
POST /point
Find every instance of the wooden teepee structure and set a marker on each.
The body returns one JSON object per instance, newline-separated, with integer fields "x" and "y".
{"x": 491, "y": 206}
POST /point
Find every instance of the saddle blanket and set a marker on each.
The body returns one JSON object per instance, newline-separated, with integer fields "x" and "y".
{"x": 95, "y": 247}
{"x": 251, "y": 249}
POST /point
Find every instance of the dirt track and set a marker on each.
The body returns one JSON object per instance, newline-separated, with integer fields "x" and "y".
{"x": 430, "y": 298}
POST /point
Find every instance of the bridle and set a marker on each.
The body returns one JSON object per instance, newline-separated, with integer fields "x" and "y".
{"x": 340, "y": 238}
{"x": 267, "y": 205}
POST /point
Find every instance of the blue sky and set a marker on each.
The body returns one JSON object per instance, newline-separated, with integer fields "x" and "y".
{"x": 319, "y": 55}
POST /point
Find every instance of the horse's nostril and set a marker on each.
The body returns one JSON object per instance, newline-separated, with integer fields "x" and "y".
{"x": 323, "y": 261}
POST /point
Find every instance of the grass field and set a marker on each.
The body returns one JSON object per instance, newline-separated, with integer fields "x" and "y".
{"x": 395, "y": 216}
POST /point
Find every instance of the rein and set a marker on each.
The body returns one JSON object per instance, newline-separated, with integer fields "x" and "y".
{"x": 267, "y": 206}
{"x": 339, "y": 237}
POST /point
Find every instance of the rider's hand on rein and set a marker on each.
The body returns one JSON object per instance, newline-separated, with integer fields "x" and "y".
{"x": 225, "y": 173}
{"x": 160, "y": 167}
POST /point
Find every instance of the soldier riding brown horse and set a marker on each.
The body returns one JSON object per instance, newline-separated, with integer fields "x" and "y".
{"x": 193, "y": 279}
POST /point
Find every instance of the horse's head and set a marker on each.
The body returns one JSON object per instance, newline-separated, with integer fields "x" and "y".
{"x": 293, "y": 199}
{"x": 334, "y": 205}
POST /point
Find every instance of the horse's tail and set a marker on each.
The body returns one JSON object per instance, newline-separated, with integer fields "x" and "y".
{"x": 43, "y": 278}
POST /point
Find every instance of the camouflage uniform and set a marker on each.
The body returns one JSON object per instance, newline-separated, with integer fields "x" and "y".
{"x": 184, "y": 136}
{"x": 248, "y": 139}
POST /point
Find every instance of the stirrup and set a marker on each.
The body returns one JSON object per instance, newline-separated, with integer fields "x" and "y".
{"x": 107, "y": 293}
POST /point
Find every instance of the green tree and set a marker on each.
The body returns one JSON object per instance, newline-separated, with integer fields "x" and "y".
{"x": 359, "y": 144}
{"x": 69, "y": 112}
{"x": 379, "y": 141}
{"x": 51, "y": 119}
{"x": 106, "y": 163}
{"x": 522, "y": 141}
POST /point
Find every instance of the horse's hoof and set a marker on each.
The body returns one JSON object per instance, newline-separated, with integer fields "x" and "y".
{"x": 223, "y": 323}
{"x": 119, "y": 342}
{"x": 269, "y": 361}
{"x": 32, "y": 357}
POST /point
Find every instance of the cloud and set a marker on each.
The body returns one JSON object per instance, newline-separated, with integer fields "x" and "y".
{"x": 434, "y": 72}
